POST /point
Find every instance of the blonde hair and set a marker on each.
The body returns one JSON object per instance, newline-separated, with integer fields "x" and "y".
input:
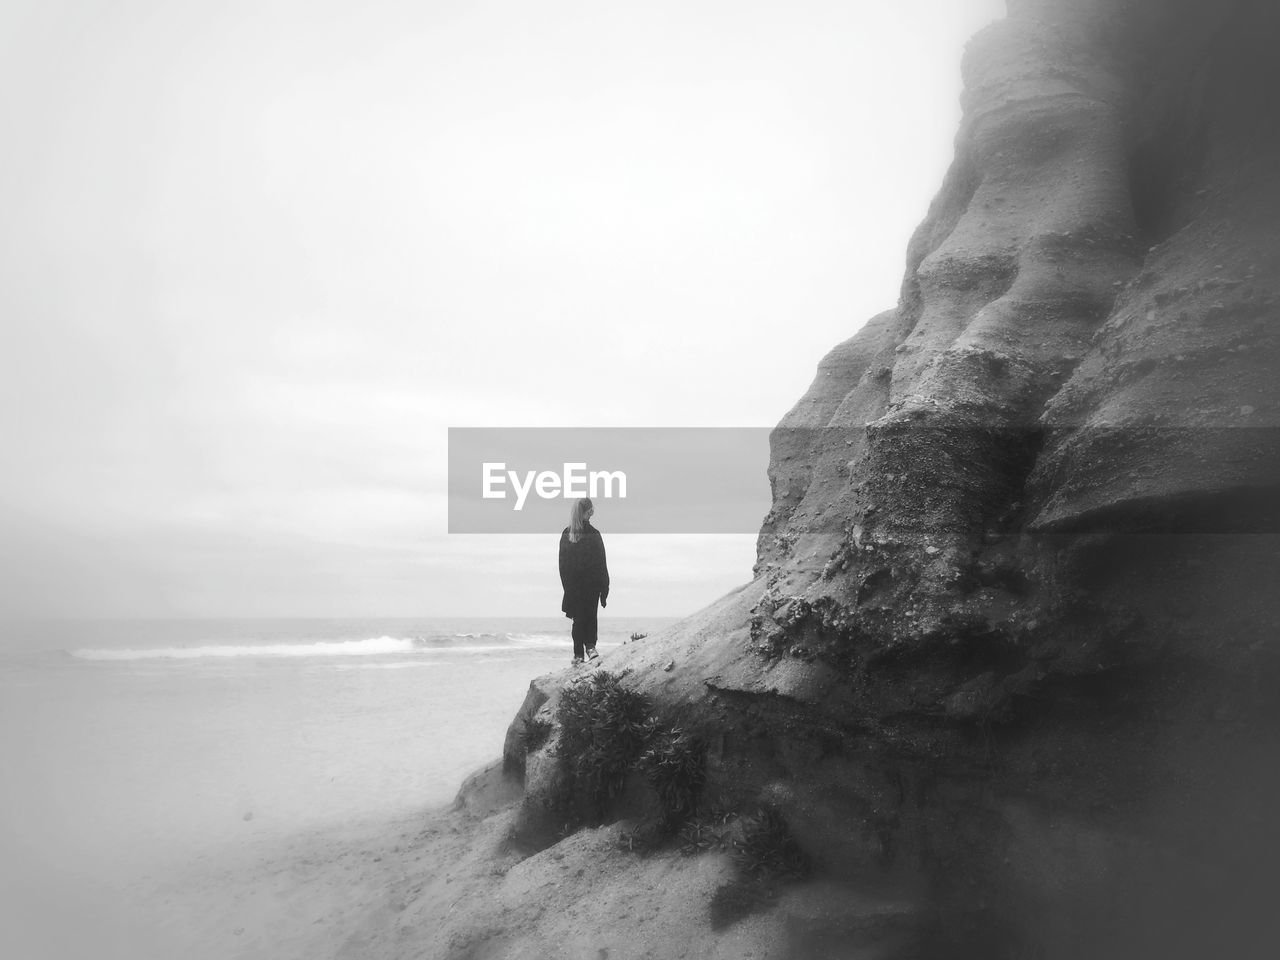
{"x": 578, "y": 518}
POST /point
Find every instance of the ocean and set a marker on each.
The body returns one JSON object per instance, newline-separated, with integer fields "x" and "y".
{"x": 132, "y": 749}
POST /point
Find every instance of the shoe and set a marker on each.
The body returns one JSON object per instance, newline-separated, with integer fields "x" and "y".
{"x": 577, "y": 661}
{"x": 592, "y": 655}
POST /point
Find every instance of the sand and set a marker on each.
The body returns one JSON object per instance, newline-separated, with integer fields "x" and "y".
{"x": 445, "y": 883}
{"x": 438, "y": 883}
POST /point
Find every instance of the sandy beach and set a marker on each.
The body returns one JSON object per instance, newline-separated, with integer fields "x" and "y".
{"x": 205, "y": 792}
{"x": 446, "y": 883}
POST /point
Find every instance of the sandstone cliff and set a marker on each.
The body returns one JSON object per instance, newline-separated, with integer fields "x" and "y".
{"x": 1009, "y": 654}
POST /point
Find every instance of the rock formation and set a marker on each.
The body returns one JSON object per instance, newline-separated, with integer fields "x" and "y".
{"x": 1009, "y": 654}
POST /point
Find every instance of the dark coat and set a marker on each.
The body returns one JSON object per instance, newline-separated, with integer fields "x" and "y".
{"x": 583, "y": 572}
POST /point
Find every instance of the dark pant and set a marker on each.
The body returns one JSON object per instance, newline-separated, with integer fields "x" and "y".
{"x": 584, "y": 632}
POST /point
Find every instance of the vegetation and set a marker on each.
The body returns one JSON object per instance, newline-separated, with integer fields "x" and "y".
{"x": 674, "y": 764}
{"x": 535, "y": 733}
{"x": 768, "y": 851}
{"x": 604, "y": 728}
{"x": 709, "y": 830}
{"x": 608, "y": 732}
{"x": 767, "y": 856}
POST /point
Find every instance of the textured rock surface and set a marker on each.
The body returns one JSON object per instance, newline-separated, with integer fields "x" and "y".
{"x": 1011, "y": 643}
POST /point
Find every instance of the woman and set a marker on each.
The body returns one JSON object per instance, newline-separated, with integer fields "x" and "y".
{"x": 584, "y": 576}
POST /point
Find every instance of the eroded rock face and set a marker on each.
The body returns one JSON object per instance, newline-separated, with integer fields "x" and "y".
{"x": 1038, "y": 539}
{"x": 1012, "y": 637}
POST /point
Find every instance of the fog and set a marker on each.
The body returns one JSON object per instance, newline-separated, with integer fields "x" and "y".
{"x": 257, "y": 257}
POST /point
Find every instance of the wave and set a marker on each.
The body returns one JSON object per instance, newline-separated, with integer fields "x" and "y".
{"x": 320, "y": 648}
{"x": 538, "y": 639}
{"x": 490, "y": 641}
{"x": 372, "y": 646}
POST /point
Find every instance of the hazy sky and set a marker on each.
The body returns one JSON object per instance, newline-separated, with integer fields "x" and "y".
{"x": 256, "y": 257}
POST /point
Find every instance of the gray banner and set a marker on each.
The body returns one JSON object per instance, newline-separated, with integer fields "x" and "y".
{"x": 641, "y": 479}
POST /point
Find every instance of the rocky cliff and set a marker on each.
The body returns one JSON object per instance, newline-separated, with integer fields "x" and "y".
{"x": 1009, "y": 654}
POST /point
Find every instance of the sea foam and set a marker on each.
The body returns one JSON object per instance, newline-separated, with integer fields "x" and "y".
{"x": 372, "y": 646}
{"x": 321, "y": 648}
